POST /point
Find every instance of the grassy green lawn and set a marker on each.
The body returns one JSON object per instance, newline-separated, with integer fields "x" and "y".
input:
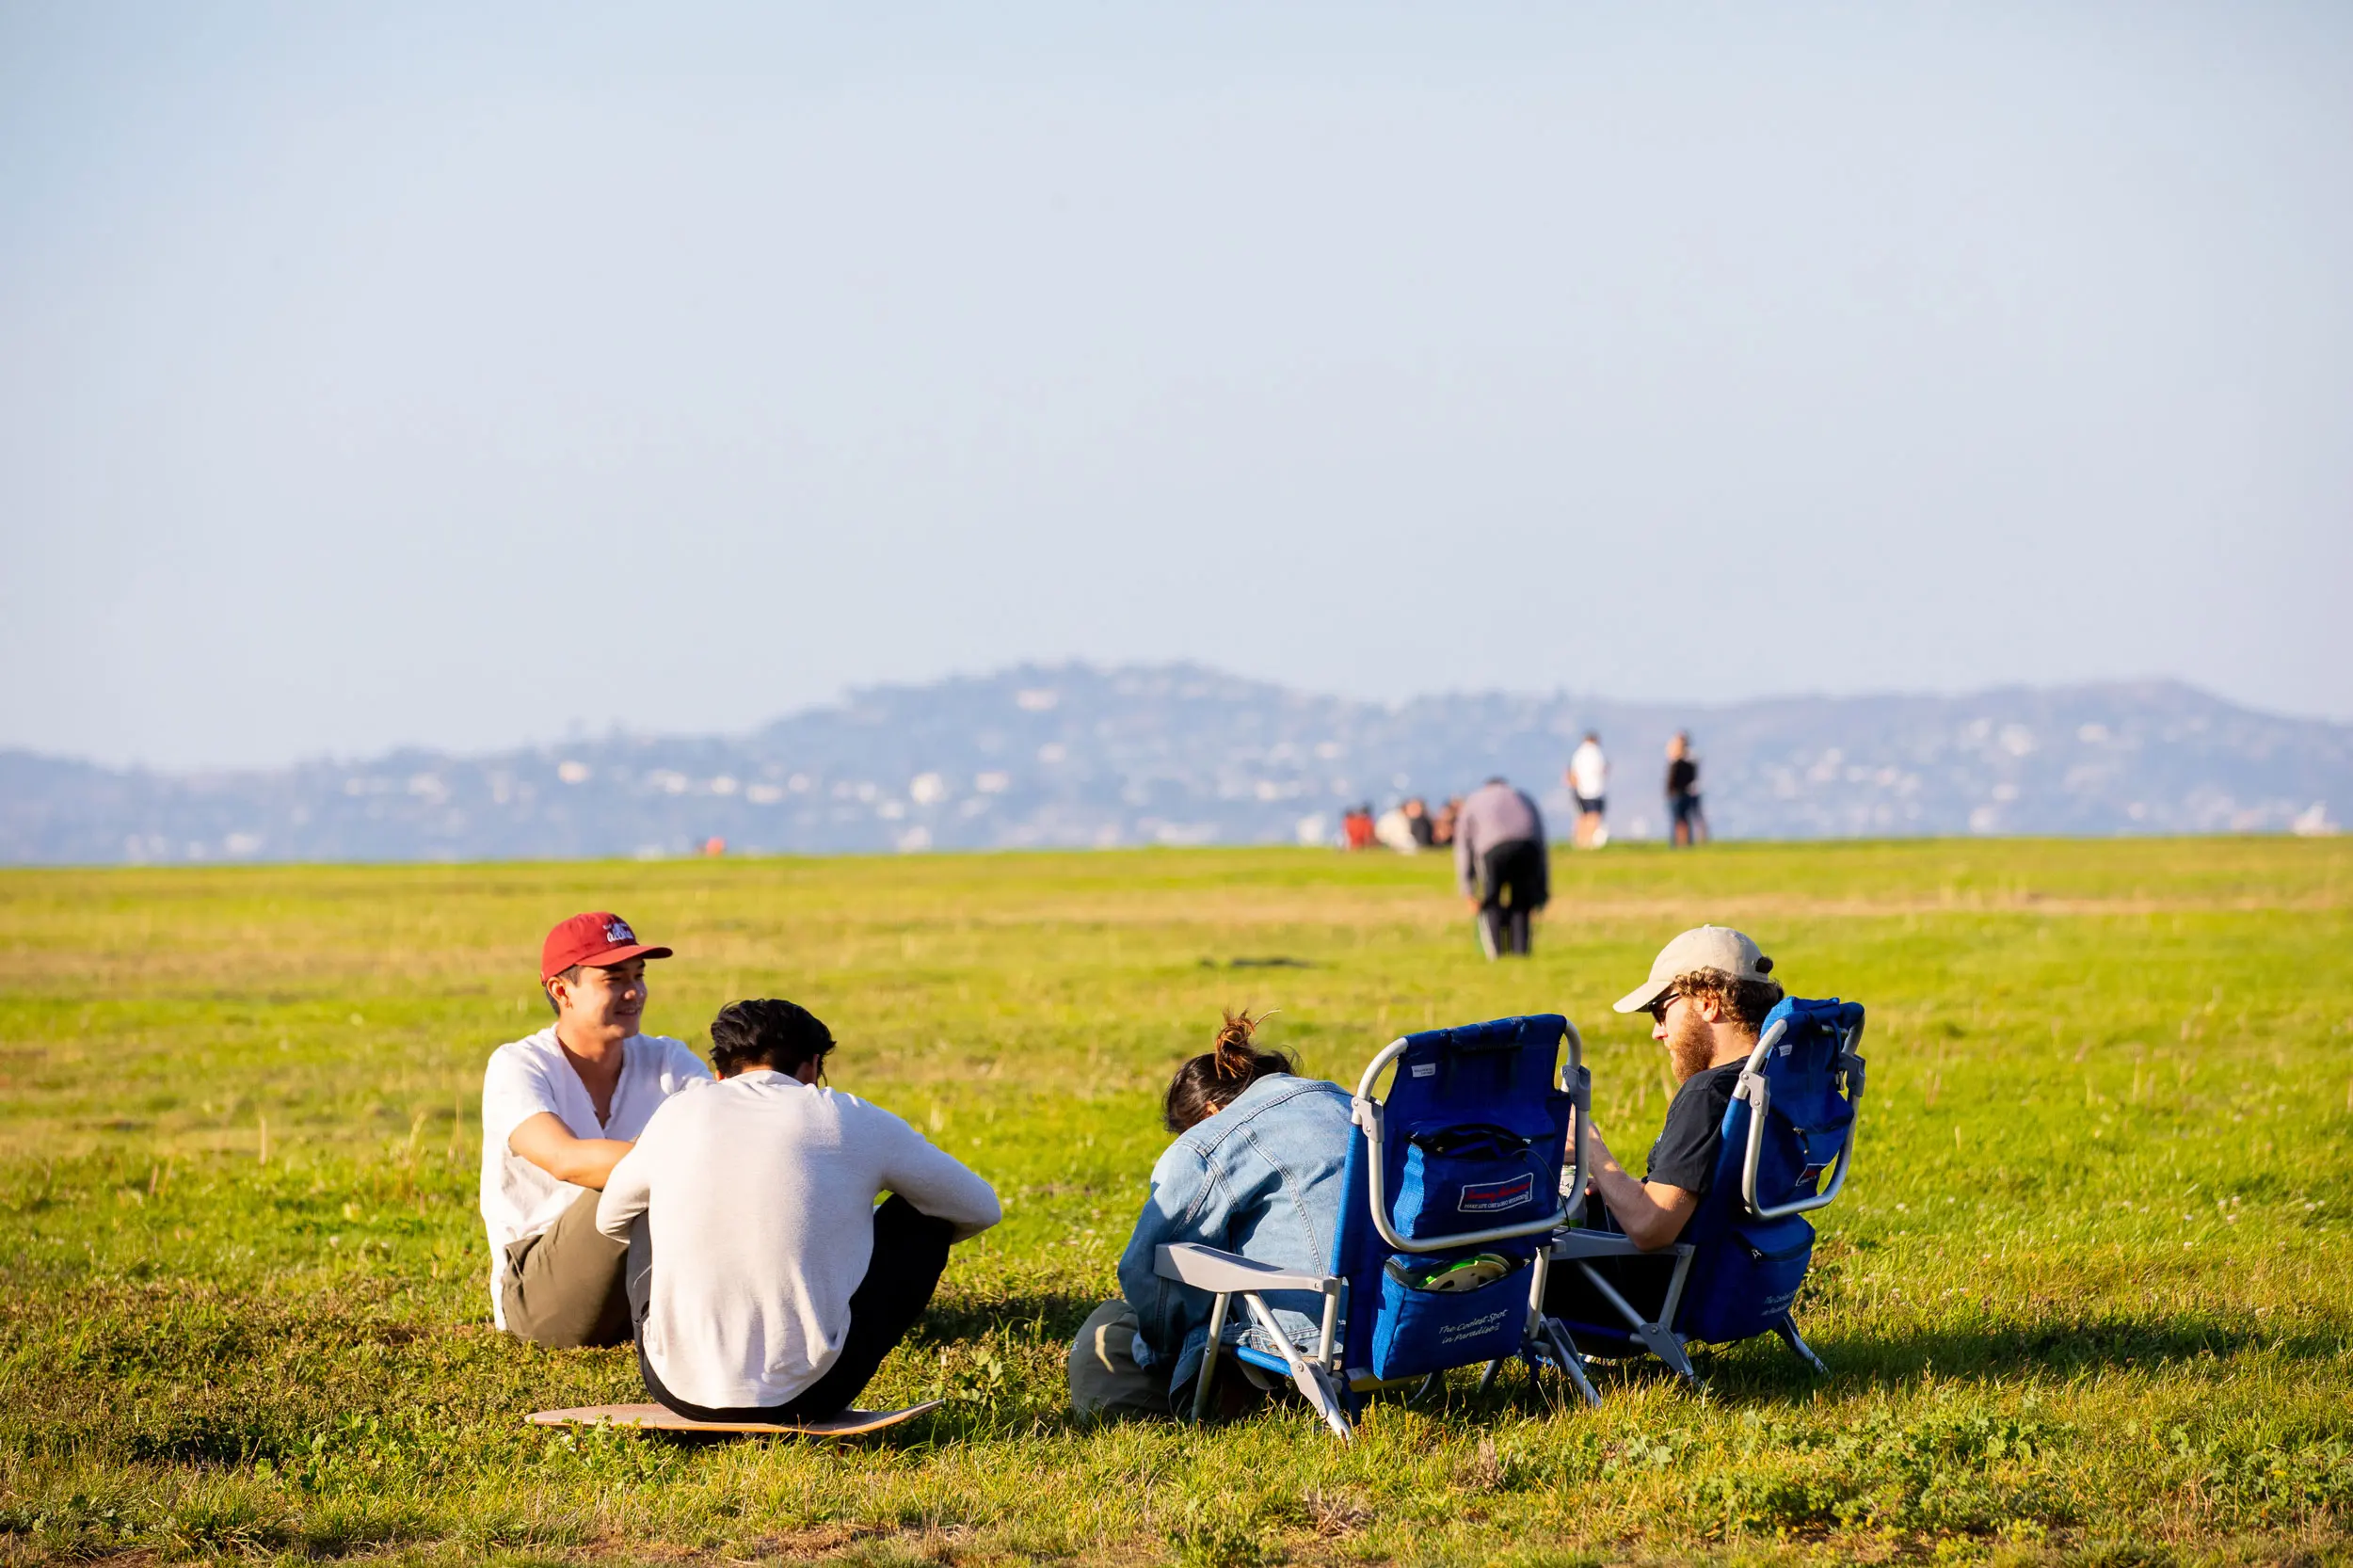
{"x": 2086, "y": 1297}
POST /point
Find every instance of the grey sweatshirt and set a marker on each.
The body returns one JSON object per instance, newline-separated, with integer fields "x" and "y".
{"x": 1496, "y": 813}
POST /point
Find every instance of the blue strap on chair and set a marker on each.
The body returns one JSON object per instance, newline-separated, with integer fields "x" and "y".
{"x": 1453, "y": 1184}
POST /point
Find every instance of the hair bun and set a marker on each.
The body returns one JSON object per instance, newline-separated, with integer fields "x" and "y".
{"x": 1232, "y": 1050}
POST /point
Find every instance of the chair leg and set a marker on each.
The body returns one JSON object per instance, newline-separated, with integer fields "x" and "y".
{"x": 1788, "y": 1328}
{"x": 1656, "y": 1335}
{"x": 1487, "y": 1377}
{"x": 1661, "y": 1342}
{"x": 1320, "y": 1388}
{"x": 1201, "y": 1405}
{"x": 1334, "y": 1401}
{"x": 1572, "y": 1361}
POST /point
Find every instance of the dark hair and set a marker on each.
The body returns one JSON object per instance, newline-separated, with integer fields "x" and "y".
{"x": 767, "y": 1034}
{"x": 1213, "y": 1079}
{"x": 570, "y": 977}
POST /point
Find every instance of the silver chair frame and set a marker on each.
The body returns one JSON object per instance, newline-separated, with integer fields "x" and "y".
{"x": 1753, "y": 1088}
{"x": 1658, "y": 1335}
{"x": 1320, "y": 1380}
{"x": 1225, "y": 1275}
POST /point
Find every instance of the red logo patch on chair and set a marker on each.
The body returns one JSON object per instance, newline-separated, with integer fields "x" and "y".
{"x": 1489, "y": 1197}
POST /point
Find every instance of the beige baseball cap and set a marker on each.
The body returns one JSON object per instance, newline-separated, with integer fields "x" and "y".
{"x": 1705, "y": 947}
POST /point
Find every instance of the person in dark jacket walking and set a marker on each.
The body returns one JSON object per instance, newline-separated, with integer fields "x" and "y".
{"x": 1500, "y": 865}
{"x": 1687, "y": 824}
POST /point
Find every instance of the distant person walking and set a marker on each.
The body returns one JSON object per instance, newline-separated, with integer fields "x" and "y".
{"x": 1687, "y": 822}
{"x": 1589, "y": 782}
{"x": 1500, "y": 866}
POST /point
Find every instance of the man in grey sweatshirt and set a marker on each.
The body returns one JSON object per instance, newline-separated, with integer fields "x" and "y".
{"x": 1500, "y": 865}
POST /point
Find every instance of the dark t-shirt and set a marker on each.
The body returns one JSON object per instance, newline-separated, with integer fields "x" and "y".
{"x": 1685, "y": 1155}
{"x": 1682, "y": 775}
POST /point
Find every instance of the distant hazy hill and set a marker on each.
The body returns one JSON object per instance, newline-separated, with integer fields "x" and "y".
{"x": 1069, "y": 755}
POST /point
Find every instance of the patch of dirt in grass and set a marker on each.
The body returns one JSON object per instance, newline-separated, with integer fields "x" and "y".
{"x": 1434, "y": 910}
{"x": 878, "y": 1545}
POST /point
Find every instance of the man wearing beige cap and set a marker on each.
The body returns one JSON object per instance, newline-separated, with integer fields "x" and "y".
{"x": 1707, "y": 996}
{"x": 560, "y": 1109}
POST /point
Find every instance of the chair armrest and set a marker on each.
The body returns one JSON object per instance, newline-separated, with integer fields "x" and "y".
{"x": 1206, "y": 1268}
{"x": 1607, "y": 1243}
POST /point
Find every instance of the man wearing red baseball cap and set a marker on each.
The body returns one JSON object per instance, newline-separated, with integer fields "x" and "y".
{"x": 559, "y": 1108}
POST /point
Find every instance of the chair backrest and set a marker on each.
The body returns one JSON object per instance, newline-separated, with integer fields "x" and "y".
{"x": 1460, "y": 1160}
{"x": 1788, "y": 1130}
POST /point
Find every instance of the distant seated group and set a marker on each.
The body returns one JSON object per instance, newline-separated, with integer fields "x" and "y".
{"x": 729, "y": 1224}
{"x": 1406, "y": 827}
{"x": 1500, "y": 862}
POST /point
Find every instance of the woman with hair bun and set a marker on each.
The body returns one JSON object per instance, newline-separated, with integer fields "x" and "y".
{"x": 1257, "y": 1169}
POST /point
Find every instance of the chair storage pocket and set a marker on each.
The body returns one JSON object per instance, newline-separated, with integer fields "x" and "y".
{"x": 1418, "y": 1332}
{"x": 1821, "y": 1144}
{"x": 1745, "y": 1282}
{"x": 1460, "y": 1179}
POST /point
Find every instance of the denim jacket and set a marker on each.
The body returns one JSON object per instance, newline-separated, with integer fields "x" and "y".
{"x": 1262, "y": 1177}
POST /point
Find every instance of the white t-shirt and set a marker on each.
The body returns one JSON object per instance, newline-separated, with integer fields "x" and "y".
{"x": 531, "y": 1075}
{"x": 1396, "y": 829}
{"x": 759, "y": 1192}
{"x": 1588, "y": 774}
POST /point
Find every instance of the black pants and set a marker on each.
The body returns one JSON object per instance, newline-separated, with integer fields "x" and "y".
{"x": 910, "y": 1250}
{"x": 1514, "y": 883}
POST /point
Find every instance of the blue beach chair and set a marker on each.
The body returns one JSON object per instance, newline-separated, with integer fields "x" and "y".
{"x": 1452, "y": 1187}
{"x": 1788, "y": 1141}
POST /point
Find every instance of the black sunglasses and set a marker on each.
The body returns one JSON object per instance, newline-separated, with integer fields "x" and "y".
{"x": 1657, "y": 1010}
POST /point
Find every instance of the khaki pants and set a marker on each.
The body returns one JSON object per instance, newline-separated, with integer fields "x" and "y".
{"x": 563, "y": 1287}
{"x": 1104, "y": 1377}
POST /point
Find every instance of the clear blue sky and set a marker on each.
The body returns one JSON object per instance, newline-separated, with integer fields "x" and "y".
{"x": 464, "y": 374}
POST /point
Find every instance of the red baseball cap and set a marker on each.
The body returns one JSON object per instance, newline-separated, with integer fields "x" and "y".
{"x": 599, "y": 939}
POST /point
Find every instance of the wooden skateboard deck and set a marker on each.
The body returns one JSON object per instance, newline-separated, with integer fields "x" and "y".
{"x": 653, "y": 1417}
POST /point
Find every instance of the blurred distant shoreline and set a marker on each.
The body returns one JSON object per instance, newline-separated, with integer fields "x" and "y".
{"x": 1077, "y": 756}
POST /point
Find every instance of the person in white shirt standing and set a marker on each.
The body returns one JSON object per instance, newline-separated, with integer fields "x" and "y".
{"x": 560, "y": 1109}
{"x": 1589, "y": 781}
{"x": 764, "y": 1282}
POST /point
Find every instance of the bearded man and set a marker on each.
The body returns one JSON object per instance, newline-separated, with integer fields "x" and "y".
{"x": 1707, "y": 996}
